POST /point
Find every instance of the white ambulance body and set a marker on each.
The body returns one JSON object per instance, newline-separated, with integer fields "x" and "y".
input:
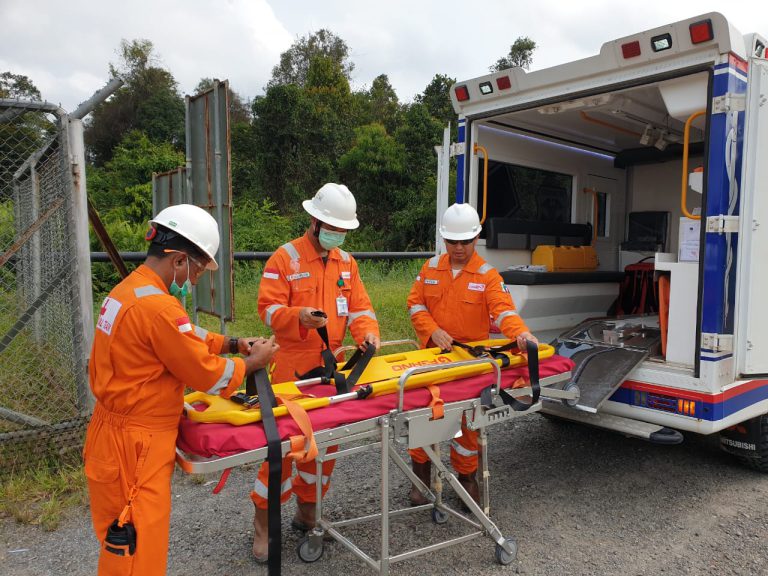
{"x": 655, "y": 150}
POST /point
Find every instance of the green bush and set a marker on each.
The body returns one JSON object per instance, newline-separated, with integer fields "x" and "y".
{"x": 259, "y": 227}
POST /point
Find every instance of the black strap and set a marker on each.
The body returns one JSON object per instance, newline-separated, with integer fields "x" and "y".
{"x": 359, "y": 366}
{"x": 533, "y": 376}
{"x": 328, "y": 373}
{"x": 327, "y": 370}
{"x": 259, "y": 381}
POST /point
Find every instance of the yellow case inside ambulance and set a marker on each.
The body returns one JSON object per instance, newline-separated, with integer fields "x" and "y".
{"x": 565, "y": 258}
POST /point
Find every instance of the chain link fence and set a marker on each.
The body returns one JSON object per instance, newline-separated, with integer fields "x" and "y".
{"x": 44, "y": 400}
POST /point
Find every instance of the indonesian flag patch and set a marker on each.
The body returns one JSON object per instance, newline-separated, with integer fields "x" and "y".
{"x": 183, "y": 324}
{"x": 271, "y": 273}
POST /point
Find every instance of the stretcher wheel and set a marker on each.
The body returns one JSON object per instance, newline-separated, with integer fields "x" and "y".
{"x": 438, "y": 516}
{"x": 567, "y": 388}
{"x": 502, "y": 556}
{"x": 309, "y": 550}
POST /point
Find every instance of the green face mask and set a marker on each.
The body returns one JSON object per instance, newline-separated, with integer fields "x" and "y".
{"x": 181, "y": 292}
{"x": 329, "y": 239}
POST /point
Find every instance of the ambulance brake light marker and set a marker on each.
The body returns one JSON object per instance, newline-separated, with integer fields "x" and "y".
{"x": 462, "y": 94}
{"x": 701, "y": 31}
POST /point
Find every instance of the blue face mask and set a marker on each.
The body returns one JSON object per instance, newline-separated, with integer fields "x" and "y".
{"x": 181, "y": 292}
{"x": 329, "y": 239}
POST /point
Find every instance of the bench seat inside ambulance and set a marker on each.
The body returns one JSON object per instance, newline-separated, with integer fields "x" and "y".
{"x": 552, "y": 302}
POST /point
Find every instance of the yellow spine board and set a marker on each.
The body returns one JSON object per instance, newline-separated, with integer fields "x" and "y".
{"x": 382, "y": 373}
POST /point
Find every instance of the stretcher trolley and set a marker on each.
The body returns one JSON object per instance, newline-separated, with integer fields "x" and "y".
{"x": 493, "y": 393}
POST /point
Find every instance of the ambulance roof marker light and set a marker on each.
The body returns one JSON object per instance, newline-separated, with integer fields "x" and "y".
{"x": 701, "y": 31}
{"x": 630, "y": 49}
{"x": 462, "y": 93}
{"x": 503, "y": 83}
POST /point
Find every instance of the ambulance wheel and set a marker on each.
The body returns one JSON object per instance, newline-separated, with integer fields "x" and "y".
{"x": 757, "y": 457}
{"x": 502, "y": 556}
{"x": 567, "y": 388}
{"x": 438, "y": 516}
{"x": 308, "y": 551}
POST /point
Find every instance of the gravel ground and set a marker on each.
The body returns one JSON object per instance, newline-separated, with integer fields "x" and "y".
{"x": 578, "y": 501}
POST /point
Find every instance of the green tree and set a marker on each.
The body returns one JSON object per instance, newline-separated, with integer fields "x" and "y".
{"x": 114, "y": 186}
{"x": 373, "y": 169}
{"x": 384, "y": 107}
{"x": 148, "y": 101}
{"x": 436, "y": 98}
{"x": 414, "y": 217}
{"x": 301, "y": 132}
{"x": 295, "y": 62}
{"x": 520, "y": 55}
{"x": 18, "y": 86}
{"x": 20, "y": 134}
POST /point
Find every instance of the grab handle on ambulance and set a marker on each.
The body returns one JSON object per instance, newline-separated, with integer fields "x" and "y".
{"x": 684, "y": 191}
{"x": 432, "y": 368}
{"x": 485, "y": 178}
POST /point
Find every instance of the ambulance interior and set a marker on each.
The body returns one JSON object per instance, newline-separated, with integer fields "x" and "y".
{"x": 598, "y": 175}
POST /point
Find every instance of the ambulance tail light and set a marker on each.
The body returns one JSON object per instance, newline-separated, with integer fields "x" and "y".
{"x": 665, "y": 403}
{"x": 701, "y": 31}
{"x": 630, "y": 49}
{"x": 462, "y": 93}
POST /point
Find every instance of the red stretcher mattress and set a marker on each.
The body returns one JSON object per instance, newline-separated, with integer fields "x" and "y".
{"x": 225, "y": 439}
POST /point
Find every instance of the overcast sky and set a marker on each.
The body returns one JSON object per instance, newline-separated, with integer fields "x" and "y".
{"x": 66, "y": 47}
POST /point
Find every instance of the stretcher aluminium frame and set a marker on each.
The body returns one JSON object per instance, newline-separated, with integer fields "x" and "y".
{"x": 412, "y": 429}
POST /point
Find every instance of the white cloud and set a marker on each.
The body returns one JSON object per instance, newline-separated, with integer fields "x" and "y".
{"x": 66, "y": 48}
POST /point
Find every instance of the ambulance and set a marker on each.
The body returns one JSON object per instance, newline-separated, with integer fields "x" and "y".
{"x": 624, "y": 200}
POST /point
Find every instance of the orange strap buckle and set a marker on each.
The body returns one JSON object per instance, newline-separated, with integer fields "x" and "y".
{"x": 436, "y": 403}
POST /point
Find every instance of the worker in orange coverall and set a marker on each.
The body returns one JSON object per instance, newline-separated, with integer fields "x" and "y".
{"x": 145, "y": 352}
{"x": 454, "y": 297}
{"x": 306, "y": 275}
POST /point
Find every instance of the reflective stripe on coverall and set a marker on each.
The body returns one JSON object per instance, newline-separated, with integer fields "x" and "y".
{"x": 294, "y": 277}
{"x": 145, "y": 352}
{"x": 464, "y": 307}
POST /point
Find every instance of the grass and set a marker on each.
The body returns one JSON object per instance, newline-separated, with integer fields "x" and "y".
{"x": 387, "y": 283}
{"x": 42, "y": 496}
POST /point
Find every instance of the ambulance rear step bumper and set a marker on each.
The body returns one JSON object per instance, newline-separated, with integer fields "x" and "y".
{"x": 634, "y": 428}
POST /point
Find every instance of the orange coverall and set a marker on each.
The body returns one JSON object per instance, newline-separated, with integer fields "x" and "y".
{"x": 464, "y": 307}
{"x": 294, "y": 277}
{"x": 145, "y": 351}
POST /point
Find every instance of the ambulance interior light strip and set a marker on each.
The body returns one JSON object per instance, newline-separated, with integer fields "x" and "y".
{"x": 547, "y": 142}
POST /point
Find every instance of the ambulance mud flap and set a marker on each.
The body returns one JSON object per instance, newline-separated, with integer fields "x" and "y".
{"x": 605, "y": 352}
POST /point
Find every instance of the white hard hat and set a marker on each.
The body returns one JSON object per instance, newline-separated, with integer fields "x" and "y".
{"x": 460, "y": 222}
{"x": 334, "y": 205}
{"x": 194, "y": 224}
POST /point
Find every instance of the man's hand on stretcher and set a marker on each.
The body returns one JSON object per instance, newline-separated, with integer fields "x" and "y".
{"x": 370, "y": 338}
{"x": 443, "y": 340}
{"x": 260, "y": 353}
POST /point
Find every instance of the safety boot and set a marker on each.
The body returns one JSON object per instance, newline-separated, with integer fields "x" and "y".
{"x": 424, "y": 473}
{"x": 469, "y": 483}
{"x": 304, "y": 519}
{"x": 260, "y": 535}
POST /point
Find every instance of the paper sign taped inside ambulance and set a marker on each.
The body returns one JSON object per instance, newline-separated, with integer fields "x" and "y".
{"x": 689, "y": 240}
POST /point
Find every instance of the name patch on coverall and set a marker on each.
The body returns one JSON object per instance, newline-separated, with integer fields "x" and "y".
{"x": 107, "y": 314}
{"x": 476, "y": 287}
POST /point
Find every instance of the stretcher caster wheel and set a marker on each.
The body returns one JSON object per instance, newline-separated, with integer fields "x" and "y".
{"x": 502, "y": 556}
{"x": 567, "y": 388}
{"x": 308, "y": 550}
{"x": 438, "y": 516}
